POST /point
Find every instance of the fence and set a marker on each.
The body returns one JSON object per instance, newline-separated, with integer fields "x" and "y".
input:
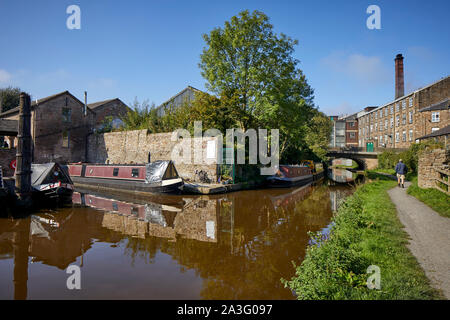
{"x": 442, "y": 182}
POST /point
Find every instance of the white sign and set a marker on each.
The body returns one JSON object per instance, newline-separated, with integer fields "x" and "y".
{"x": 211, "y": 150}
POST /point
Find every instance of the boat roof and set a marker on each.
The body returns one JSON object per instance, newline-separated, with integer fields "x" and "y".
{"x": 155, "y": 171}
{"x": 40, "y": 171}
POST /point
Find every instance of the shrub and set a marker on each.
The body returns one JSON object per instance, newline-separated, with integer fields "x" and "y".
{"x": 388, "y": 159}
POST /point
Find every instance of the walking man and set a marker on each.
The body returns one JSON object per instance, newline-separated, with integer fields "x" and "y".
{"x": 401, "y": 170}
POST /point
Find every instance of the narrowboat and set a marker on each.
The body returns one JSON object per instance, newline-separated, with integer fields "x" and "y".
{"x": 155, "y": 177}
{"x": 290, "y": 176}
{"x": 51, "y": 181}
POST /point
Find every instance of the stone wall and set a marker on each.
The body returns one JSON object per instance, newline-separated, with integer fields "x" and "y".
{"x": 127, "y": 147}
{"x": 6, "y": 156}
{"x": 428, "y": 162}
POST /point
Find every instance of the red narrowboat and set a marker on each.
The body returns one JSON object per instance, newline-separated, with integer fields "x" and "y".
{"x": 290, "y": 176}
{"x": 155, "y": 177}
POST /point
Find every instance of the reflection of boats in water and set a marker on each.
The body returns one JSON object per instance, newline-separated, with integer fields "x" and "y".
{"x": 290, "y": 176}
{"x": 342, "y": 175}
{"x": 192, "y": 218}
{"x": 286, "y": 199}
{"x": 155, "y": 177}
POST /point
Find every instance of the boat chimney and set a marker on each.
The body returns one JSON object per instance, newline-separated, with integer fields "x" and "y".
{"x": 23, "y": 155}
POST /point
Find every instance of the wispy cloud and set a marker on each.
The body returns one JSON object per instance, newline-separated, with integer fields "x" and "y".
{"x": 368, "y": 69}
{"x": 102, "y": 83}
{"x": 5, "y": 76}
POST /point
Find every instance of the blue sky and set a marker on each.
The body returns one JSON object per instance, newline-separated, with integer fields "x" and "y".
{"x": 150, "y": 49}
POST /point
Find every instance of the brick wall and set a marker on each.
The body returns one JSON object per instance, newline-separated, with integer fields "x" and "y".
{"x": 405, "y": 130}
{"x": 133, "y": 147}
{"x": 428, "y": 161}
{"x": 6, "y": 156}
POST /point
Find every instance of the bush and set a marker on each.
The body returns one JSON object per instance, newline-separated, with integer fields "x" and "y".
{"x": 410, "y": 157}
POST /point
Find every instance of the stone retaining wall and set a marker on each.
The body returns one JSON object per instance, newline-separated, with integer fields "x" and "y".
{"x": 127, "y": 147}
{"x": 429, "y": 160}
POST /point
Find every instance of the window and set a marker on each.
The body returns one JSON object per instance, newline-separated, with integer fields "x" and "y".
{"x": 410, "y": 102}
{"x": 404, "y": 118}
{"x": 397, "y": 107}
{"x": 66, "y": 114}
{"x": 435, "y": 117}
{"x": 410, "y": 117}
{"x": 352, "y": 135}
{"x": 410, "y": 135}
{"x": 381, "y": 139}
{"x": 376, "y": 126}
{"x": 434, "y": 129}
{"x": 385, "y": 111}
{"x": 352, "y": 124}
{"x": 65, "y": 139}
{"x": 397, "y": 136}
{"x": 404, "y": 135}
{"x": 371, "y": 128}
{"x": 385, "y": 138}
{"x": 392, "y": 109}
{"x": 392, "y": 122}
{"x": 116, "y": 172}
{"x": 135, "y": 173}
{"x": 381, "y": 113}
{"x": 397, "y": 120}
{"x": 404, "y": 104}
{"x": 385, "y": 124}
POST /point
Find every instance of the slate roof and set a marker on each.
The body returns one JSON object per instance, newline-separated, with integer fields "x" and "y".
{"x": 100, "y": 103}
{"x": 34, "y": 103}
{"x": 442, "y": 105}
{"x": 9, "y": 127}
{"x": 441, "y": 132}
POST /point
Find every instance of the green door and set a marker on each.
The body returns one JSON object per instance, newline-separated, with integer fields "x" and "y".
{"x": 369, "y": 147}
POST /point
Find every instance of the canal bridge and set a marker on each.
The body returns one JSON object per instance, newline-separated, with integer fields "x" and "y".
{"x": 365, "y": 159}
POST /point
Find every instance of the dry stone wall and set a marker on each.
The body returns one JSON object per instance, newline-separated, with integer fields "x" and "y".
{"x": 429, "y": 161}
{"x": 133, "y": 147}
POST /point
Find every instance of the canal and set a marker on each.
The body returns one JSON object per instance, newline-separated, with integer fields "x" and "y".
{"x": 232, "y": 246}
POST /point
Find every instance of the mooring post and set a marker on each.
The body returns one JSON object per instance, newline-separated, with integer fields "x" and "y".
{"x": 23, "y": 154}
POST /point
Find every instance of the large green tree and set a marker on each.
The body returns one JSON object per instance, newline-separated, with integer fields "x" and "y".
{"x": 254, "y": 68}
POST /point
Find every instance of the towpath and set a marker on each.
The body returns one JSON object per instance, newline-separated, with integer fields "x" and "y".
{"x": 429, "y": 237}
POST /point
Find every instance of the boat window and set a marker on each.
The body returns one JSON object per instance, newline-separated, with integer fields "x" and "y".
{"x": 115, "y": 206}
{"x": 116, "y": 172}
{"x": 135, "y": 173}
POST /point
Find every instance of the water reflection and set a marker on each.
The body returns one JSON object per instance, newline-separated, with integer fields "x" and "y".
{"x": 234, "y": 246}
{"x": 343, "y": 175}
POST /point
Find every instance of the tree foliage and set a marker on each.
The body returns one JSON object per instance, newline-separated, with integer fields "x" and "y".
{"x": 9, "y": 98}
{"x": 257, "y": 83}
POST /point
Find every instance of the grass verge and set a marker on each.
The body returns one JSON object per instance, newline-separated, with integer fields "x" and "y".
{"x": 435, "y": 199}
{"x": 366, "y": 232}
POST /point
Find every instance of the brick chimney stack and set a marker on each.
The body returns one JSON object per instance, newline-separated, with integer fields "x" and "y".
{"x": 399, "y": 77}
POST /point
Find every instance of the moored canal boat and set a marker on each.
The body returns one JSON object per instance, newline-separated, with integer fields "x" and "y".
{"x": 51, "y": 182}
{"x": 290, "y": 176}
{"x": 155, "y": 177}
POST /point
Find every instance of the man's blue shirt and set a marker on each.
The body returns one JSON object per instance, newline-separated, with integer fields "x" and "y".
{"x": 401, "y": 168}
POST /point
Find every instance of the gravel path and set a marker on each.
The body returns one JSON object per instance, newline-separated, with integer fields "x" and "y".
{"x": 430, "y": 237}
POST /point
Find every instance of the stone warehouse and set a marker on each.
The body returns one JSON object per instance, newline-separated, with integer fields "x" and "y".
{"x": 113, "y": 109}
{"x": 401, "y": 122}
{"x": 60, "y": 126}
